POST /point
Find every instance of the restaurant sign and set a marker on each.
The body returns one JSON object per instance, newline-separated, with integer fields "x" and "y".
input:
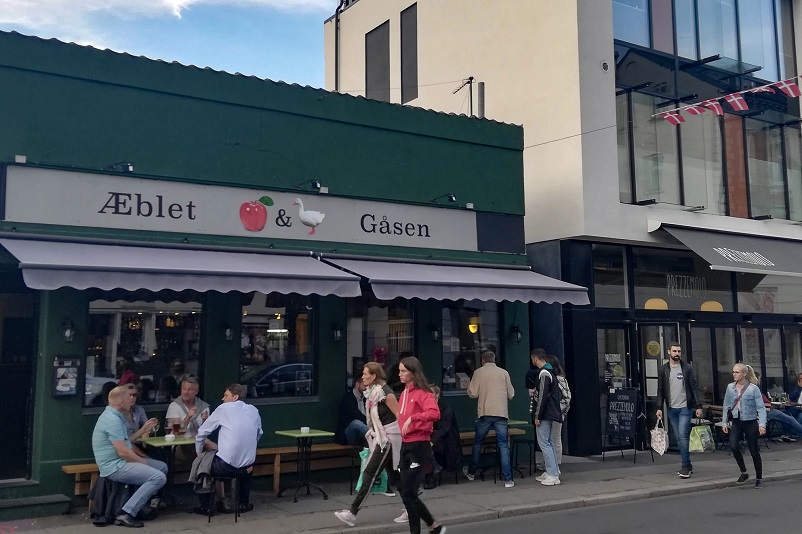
{"x": 68, "y": 198}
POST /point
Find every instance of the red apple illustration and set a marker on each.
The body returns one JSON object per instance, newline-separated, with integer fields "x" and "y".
{"x": 253, "y": 214}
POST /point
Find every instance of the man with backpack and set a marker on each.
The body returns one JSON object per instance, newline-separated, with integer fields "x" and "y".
{"x": 565, "y": 405}
{"x": 545, "y": 412}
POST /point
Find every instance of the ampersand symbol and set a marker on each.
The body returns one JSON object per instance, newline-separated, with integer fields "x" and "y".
{"x": 283, "y": 219}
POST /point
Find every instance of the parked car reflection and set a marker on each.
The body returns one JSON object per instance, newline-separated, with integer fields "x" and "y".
{"x": 271, "y": 380}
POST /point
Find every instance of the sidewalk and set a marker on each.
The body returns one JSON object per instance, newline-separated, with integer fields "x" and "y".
{"x": 585, "y": 482}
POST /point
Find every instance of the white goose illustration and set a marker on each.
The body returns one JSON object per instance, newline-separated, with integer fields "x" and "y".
{"x": 308, "y": 218}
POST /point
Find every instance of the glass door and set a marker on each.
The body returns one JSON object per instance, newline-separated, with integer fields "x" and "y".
{"x": 712, "y": 354}
{"x": 613, "y": 365}
{"x": 762, "y": 349}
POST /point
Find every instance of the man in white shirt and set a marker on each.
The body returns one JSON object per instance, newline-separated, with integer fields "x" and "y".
{"x": 240, "y": 429}
{"x": 188, "y": 410}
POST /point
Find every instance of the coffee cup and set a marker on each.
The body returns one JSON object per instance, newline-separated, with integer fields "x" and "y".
{"x": 169, "y": 437}
{"x": 304, "y": 430}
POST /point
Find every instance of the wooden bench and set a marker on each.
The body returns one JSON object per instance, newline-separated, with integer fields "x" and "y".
{"x": 85, "y": 476}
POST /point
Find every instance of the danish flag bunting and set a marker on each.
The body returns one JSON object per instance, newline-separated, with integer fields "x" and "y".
{"x": 695, "y": 110}
{"x": 788, "y": 87}
{"x": 714, "y": 106}
{"x": 673, "y": 117}
{"x": 766, "y": 89}
{"x": 737, "y": 101}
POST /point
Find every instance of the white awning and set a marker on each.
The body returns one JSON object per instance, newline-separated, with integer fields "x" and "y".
{"x": 52, "y": 264}
{"x": 446, "y": 282}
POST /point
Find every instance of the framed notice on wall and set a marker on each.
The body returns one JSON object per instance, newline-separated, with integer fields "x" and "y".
{"x": 65, "y": 376}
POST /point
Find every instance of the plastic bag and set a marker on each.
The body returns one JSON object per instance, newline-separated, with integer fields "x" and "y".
{"x": 659, "y": 438}
{"x": 701, "y": 439}
{"x": 380, "y": 484}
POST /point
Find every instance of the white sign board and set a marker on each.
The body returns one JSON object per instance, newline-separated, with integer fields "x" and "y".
{"x": 68, "y": 198}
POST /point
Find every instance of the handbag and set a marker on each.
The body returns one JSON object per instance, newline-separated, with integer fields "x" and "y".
{"x": 701, "y": 439}
{"x": 659, "y": 438}
{"x": 380, "y": 483}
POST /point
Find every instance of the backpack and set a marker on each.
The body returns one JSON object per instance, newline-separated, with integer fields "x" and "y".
{"x": 565, "y": 395}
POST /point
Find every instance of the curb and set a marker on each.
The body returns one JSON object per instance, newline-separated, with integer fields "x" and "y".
{"x": 565, "y": 504}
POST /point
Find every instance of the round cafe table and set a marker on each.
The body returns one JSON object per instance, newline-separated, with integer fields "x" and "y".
{"x": 304, "y": 459}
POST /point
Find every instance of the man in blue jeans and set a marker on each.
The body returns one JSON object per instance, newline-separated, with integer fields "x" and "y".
{"x": 492, "y": 387}
{"x": 677, "y": 388}
{"x": 117, "y": 460}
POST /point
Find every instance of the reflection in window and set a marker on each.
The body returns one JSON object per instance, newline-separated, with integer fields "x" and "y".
{"x": 631, "y": 21}
{"x": 468, "y": 331}
{"x": 703, "y": 363}
{"x": 685, "y": 15}
{"x": 378, "y": 331}
{"x": 702, "y": 157}
{"x": 793, "y": 351}
{"x": 151, "y": 343}
{"x": 624, "y": 170}
{"x": 793, "y": 166}
{"x": 758, "y": 37}
{"x": 655, "y": 151}
{"x": 785, "y": 29}
{"x": 725, "y": 358}
{"x": 718, "y": 32}
{"x": 772, "y": 347}
{"x": 276, "y": 355}
{"x": 765, "y": 159}
{"x": 759, "y": 293}
{"x": 609, "y": 277}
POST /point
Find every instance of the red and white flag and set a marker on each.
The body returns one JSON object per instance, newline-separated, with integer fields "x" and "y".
{"x": 765, "y": 89}
{"x": 737, "y": 102}
{"x": 673, "y": 117}
{"x": 714, "y": 106}
{"x": 788, "y": 87}
{"x": 695, "y": 110}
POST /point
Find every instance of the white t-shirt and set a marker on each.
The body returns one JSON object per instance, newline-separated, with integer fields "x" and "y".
{"x": 179, "y": 410}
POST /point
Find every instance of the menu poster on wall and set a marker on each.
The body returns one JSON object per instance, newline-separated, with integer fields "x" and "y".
{"x": 65, "y": 376}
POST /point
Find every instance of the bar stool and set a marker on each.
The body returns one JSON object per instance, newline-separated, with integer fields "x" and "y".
{"x": 531, "y": 443}
{"x": 234, "y": 494}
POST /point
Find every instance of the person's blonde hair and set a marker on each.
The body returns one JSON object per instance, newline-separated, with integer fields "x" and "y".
{"x": 376, "y": 370}
{"x": 118, "y": 393}
{"x": 750, "y": 373}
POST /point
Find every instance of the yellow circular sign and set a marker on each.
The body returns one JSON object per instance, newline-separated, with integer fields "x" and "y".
{"x": 653, "y": 348}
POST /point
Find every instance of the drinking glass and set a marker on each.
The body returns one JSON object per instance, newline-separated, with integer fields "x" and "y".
{"x": 155, "y": 429}
{"x": 177, "y": 429}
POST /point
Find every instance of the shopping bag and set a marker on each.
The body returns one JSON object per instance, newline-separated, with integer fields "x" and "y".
{"x": 380, "y": 484}
{"x": 659, "y": 438}
{"x": 701, "y": 439}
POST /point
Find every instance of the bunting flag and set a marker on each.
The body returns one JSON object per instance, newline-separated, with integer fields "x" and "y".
{"x": 737, "y": 102}
{"x": 695, "y": 110}
{"x": 673, "y": 117}
{"x": 788, "y": 87}
{"x": 764, "y": 89}
{"x": 714, "y": 106}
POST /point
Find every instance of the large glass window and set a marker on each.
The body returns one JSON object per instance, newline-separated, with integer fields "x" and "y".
{"x": 468, "y": 330}
{"x": 276, "y": 351}
{"x": 377, "y": 331}
{"x": 718, "y": 30}
{"x": 758, "y": 293}
{"x": 765, "y": 164}
{"x": 631, "y": 21}
{"x": 703, "y": 363}
{"x": 702, "y": 167}
{"x": 685, "y": 15}
{"x": 758, "y": 36}
{"x": 662, "y": 26}
{"x": 609, "y": 277}
{"x": 677, "y": 280}
{"x": 785, "y": 37}
{"x": 624, "y": 169}
{"x": 655, "y": 152}
{"x": 772, "y": 346}
{"x": 153, "y": 343}
{"x": 793, "y": 351}
{"x": 725, "y": 358}
{"x": 793, "y": 168}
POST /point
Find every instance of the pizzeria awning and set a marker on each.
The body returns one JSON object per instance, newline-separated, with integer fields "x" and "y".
{"x": 742, "y": 253}
{"x": 446, "y": 282}
{"x": 54, "y": 264}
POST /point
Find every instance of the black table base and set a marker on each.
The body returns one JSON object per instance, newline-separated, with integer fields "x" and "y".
{"x": 304, "y": 464}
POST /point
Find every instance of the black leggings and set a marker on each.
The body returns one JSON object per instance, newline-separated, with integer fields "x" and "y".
{"x": 413, "y": 457}
{"x": 378, "y": 459}
{"x": 751, "y": 430}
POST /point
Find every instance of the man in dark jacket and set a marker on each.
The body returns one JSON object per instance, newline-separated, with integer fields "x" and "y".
{"x": 351, "y": 425}
{"x": 545, "y": 411}
{"x": 676, "y": 387}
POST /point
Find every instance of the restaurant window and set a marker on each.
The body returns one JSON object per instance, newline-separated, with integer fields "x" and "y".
{"x": 677, "y": 280}
{"x": 765, "y": 165}
{"x": 759, "y": 293}
{"x": 793, "y": 351}
{"x": 718, "y": 28}
{"x": 609, "y": 277}
{"x": 276, "y": 351}
{"x": 378, "y": 331}
{"x": 468, "y": 330}
{"x": 148, "y": 339}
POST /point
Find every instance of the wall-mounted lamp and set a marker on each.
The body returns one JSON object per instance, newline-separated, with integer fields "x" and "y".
{"x": 450, "y": 196}
{"x": 312, "y": 185}
{"x": 336, "y": 332}
{"x": 68, "y": 330}
{"x": 228, "y": 332}
{"x": 434, "y": 330}
{"x": 473, "y": 325}
{"x": 121, "y": 166}
{"x": 515, "y": 331}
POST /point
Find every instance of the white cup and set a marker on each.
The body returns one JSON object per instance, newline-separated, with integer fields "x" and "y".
{"x": 169, "y": 437}
{"x": 304, "y": 430}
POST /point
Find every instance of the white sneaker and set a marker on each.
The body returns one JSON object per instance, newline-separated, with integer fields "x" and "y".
{"x": 551, "y": 481}
{"x": 509, "y": 484}
{"x": 388, "y": 493}
{"x": 542, "y": 477}
{"x": 346, "y": 517}
{"x": 467, "y": 474}
{"x": 403, "y": 518}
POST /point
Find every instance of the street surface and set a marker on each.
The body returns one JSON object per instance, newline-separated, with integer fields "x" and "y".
{"x": 730, "y": 510}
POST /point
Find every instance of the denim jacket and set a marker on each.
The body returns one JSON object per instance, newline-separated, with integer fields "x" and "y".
{"x": 751, "y": 405}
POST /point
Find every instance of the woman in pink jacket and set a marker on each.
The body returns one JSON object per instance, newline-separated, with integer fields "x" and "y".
{"x": 416, "y": 416}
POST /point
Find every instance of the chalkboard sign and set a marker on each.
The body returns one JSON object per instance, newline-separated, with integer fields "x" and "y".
{"x": 622, "y": 414}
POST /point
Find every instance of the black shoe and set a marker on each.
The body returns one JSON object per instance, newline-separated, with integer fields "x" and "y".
{"x": 759, "y": 483}
{"x": 200, "y": 510}
{"x": 245, "y": 508}
{"x": 685, "y": 471}
{"x": 148, "y": 513}
{"x": 125, "y": 520}
{"x": 742, "y": 478}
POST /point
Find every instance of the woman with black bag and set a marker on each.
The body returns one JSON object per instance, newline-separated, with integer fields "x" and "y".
{"x": 744, "y": 409}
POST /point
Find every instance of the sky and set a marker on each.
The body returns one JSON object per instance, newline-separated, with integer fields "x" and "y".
{"x": 275, "y": 39}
